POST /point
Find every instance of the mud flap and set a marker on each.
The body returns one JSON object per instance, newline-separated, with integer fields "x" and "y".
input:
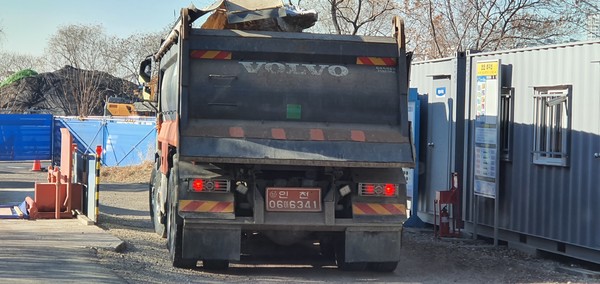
{"x": 373, "y": 246}
{"x": 211, "y": 243}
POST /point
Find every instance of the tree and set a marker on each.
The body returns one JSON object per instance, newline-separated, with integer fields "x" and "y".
{"x": 353, "y": 17}
{"x": 80, "y": 47}
{"x": 439, "y": 28}
{"x": 130, "y": 51}
{"x": 14, "y": 62}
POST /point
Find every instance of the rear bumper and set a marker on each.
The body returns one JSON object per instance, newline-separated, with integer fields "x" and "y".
{"x": 220, "y": 239}
{"x": 299, "y": 223}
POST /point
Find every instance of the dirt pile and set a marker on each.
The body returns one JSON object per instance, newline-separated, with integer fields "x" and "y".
{"x": 68, "y": 91}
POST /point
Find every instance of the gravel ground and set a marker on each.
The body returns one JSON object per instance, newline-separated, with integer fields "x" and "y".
{"x": 124, "y": 213}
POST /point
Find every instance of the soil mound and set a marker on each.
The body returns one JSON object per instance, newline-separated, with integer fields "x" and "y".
{"x": 66, "y": 92}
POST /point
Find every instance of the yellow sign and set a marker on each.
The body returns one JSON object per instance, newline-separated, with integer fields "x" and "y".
{"x": 487, "y": 68}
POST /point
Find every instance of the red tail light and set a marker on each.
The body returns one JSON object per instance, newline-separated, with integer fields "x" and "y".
{"x": 390, "y": 189}
{"x": 209, "y": 185}
{"x": 378, "y": 189}
{"x": 198, "y": 185}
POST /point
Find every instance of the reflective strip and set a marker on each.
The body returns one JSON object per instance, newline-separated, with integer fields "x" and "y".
{"x": 210, "y": 54}
{"x": 376, "y": 61}
{"x": 378, "y": 209}
{"x": 278, "y": 133}
{"x": 317, "y": 134}
{"x": 236, "y": 132}
{"x": 357, "y": 135}
{"x": 205, "y": 206}
{"x": 300, "y": 134}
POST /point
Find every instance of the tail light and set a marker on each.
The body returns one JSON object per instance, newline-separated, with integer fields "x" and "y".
{"x": 378, "y": 189}
{"x": 209, "y": 185}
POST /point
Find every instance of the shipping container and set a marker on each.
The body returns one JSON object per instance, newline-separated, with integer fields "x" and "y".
{"x": 530, "y": 154}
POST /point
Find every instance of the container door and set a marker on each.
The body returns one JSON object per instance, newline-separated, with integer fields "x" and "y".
{"x": 439, "y": 141}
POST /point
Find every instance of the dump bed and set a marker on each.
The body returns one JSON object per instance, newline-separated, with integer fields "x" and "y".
{"x": 288, "y": 98}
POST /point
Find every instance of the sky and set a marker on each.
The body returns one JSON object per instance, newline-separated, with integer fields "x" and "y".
{"x": 28, "y": 24}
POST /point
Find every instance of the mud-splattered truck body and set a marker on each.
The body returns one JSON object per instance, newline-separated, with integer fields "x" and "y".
{"x": 292, "y": 136}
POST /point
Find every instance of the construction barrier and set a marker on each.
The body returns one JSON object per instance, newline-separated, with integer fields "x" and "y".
{"x": 37, "y": 166}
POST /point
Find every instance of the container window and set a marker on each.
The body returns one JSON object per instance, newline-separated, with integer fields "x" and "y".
{"x": 552, "y": 125}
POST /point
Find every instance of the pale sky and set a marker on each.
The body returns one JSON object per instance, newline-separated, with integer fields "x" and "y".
{"x": 28, "y": 24}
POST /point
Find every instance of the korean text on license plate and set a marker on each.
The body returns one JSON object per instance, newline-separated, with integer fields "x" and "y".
{"x": 293, "y": 199}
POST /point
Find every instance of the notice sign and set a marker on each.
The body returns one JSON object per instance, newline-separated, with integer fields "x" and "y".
{"x": 486, "y": 128}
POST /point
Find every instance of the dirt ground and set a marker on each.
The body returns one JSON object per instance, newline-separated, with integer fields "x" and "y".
{"x": 425, "y": 259}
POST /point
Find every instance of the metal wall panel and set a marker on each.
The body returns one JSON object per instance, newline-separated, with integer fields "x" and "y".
{"x": 25, "y": 137}
{"x": 550, "y": 202}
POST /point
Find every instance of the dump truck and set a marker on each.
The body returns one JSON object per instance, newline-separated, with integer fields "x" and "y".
{"x": 291, "y": 136}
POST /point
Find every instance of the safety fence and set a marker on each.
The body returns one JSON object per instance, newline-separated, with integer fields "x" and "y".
{"x": 25, "y": 137}
{"x": 125, "y": 141}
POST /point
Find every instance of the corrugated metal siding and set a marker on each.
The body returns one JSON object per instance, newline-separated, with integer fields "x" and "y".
{"x": 557, "y": 203}
{"x": 25, "y": 137}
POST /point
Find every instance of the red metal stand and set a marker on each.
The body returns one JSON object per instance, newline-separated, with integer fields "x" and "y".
{"x": 58, "y": 197}
{"x": 447, "y": 218}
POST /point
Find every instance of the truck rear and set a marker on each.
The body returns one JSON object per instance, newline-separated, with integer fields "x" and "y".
{"x": 292, "y": 136}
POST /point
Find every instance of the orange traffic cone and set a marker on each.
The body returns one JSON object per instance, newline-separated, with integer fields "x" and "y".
{"x": 37, "y": 166}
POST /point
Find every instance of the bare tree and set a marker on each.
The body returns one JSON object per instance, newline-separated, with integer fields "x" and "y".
{"x": 14, "y": 62}
{"x": 441, "y": 27}
{"x": 130, "y": 51}
{"x": 87, "y": 56}
{"x": 353, "y": 17}
{"x": 79, "y": 46}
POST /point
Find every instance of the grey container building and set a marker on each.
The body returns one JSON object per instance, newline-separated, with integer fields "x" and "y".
{"x": 548, "y": 182}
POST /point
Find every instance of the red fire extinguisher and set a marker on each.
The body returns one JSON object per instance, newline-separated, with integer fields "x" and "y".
{"x": 444, "y": 222}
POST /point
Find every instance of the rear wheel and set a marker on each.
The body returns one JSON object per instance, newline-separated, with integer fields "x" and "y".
{"x": 175, "y": 234}
{"x": 155, "y": 213}
{"x": 388, "y": 266}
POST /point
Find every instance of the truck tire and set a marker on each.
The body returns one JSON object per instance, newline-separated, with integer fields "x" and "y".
{"x": 389, "y": 266}
{"x": 175, "y": 230}
{"x": 155, "y": 215}
{"x": 214, "y": 264}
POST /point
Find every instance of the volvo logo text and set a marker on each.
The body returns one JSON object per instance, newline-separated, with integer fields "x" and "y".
{"x": 295, "y": 68}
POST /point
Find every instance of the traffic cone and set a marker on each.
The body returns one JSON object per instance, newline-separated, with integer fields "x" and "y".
{"x": 37, "y": 166}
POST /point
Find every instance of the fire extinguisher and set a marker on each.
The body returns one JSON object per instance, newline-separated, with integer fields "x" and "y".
{"x": 444, "y": 222}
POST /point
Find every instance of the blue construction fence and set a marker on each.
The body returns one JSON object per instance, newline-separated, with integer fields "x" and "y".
{"x": 25, "y": 137}
{"x": 125, "y": 141}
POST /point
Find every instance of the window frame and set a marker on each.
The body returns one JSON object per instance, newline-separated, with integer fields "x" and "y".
{"x": 551, "y": 133}
{"x": 507, "y": 101}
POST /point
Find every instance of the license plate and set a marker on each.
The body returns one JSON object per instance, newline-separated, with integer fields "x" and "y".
{"x": 289, "y": 199}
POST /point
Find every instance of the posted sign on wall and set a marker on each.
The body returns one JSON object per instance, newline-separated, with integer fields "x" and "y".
{"x": 486, "y": 128}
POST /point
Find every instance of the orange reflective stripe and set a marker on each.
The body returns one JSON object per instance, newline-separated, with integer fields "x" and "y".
{"x": 278, "y": 133}
{"x": 206, "y": 206}
{"x": 376, "y": 61}
{"x": 357, "y": 135}
{"x": 210, "y": 54}
{"x": 378, "y": 209}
